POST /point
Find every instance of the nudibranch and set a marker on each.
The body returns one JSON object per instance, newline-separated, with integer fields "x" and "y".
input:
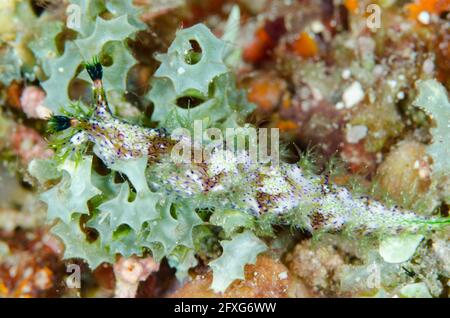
{"x": 114, "y": 139}
{"x": 230, "y": 180}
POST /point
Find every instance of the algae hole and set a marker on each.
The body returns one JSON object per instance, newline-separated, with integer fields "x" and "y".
{"x": 173, "y": 212}
{"x": 194, "y": 55}
{"x": 188, "y": 102}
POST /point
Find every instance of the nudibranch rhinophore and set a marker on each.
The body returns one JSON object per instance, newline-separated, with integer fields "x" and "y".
{"x": 234, "y": 180}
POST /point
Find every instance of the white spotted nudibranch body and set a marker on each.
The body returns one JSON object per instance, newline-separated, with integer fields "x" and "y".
{"x": 117, "y": 140}
{"x": 234, "y": 180}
